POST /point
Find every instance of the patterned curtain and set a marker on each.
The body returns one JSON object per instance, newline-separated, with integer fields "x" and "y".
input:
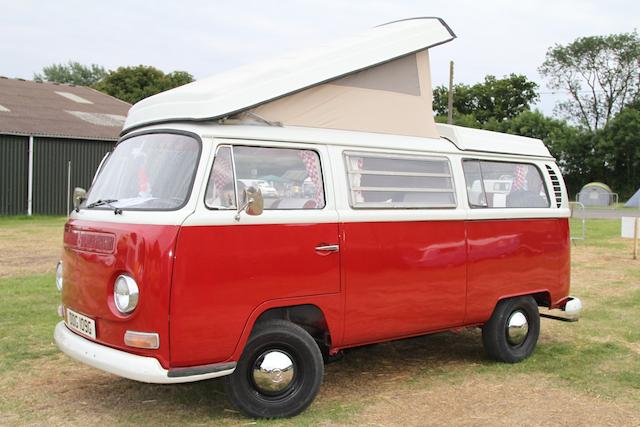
{"x": 519, "y": 179}
{"x": 312, "y": 166}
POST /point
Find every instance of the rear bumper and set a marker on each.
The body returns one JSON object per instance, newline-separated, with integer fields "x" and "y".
{"x": 132, "y": 366}
{"x": 569, "y": 311}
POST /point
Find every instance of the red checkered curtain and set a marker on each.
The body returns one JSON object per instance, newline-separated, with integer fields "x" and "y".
{"x": 312, "y": 166}
{"x": 222, "y": 169}
{"x": 519, "y": 179}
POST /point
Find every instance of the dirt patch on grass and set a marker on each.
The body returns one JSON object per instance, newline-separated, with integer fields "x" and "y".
{"x": 601, "y": 272}
{"x": 32, "y": 247}
{"x": 525, "y": 400}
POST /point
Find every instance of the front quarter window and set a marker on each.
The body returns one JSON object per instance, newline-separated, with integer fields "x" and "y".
{"x": 147, "y": 172}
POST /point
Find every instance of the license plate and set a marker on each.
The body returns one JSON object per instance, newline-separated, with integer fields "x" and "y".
{"x": 81, "y": 324}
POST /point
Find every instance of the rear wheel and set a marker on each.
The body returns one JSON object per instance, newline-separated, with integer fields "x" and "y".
{"x": 279, "y": 373}
{"x": 512, "y": 332}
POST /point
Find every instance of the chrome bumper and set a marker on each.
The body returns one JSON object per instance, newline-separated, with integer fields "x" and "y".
{"x": 132, "y": 366}
{"x": 570, "y": 312}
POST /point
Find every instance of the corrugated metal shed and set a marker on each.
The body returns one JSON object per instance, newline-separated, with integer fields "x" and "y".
{"x": 51, "y": 164}
{"x": 13, "y": 174}
{"x": 64, "y": 123}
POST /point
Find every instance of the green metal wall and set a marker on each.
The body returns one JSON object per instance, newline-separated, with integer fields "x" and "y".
{"x": 51, "y": 157}
{"x": 14, "y": 159}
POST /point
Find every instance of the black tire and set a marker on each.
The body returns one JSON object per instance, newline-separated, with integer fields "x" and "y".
{"x": 282, "y": 338}
{"x": 495, "y": 337}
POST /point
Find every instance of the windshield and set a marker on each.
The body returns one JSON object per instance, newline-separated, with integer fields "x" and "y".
{"x": 150, "y": 172}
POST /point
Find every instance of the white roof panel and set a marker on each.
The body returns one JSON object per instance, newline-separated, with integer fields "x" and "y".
{"x": 240, "y": 89}
{"x": 468, "y": 139}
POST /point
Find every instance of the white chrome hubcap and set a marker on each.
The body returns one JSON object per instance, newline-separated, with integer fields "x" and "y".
{"x": 273, "y": 371}
{"x": 517, "y": 328}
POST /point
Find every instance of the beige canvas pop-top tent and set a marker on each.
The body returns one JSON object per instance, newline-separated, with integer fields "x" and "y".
{"x": 378, "y": 81}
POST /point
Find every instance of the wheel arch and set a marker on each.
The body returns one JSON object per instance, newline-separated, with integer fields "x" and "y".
{"x": 541, "y": 296}
{"x": 320, "y": 316}
{"x": 308, "y": 316}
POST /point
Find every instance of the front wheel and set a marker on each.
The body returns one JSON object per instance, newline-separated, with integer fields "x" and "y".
{"x": 512, "y": 332}
{"x": 279, "y": 373}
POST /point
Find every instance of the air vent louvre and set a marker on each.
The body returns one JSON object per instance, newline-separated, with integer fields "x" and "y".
{"x": 557, "y": 188}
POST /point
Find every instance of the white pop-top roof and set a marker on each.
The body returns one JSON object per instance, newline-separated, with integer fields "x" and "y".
{"x": 468, "y": 139}
{"x": 237, "y": 90}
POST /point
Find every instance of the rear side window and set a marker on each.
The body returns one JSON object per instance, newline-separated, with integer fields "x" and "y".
{"x": 399, "y": 181}
{"x": 504, "y": 185}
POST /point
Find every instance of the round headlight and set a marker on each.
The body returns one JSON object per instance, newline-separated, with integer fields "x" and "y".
{"x": 125, "y": 294}
{"x": 59, "y": 275}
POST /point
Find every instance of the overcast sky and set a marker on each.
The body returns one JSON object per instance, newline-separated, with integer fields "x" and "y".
{"x": 203, "y": 37}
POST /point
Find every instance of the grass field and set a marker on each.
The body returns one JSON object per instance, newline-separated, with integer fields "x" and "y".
{"x": 585, "y": 373}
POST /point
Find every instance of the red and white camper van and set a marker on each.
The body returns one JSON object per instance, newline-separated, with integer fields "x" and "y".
{"x": 374, "y": 224}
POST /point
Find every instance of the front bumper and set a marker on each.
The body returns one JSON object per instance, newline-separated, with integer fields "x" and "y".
{"x": 132, "y": 366}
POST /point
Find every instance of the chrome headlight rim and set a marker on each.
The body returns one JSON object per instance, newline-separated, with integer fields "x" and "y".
{"x": 59, "y": 280}
{"x": 125, "y": 294}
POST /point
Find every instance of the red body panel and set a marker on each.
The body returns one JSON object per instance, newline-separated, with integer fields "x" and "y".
{"x": 403, "y": 278}
{"x": 143, "y": 251}
{"x": 203, "y": 287}
{"x": 515, "y": 257}
{"x": 224, "y": 273}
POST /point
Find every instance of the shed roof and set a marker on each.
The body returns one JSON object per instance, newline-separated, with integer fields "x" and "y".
{"x": 331, "y": 86}
{"x": 59, "y": 110}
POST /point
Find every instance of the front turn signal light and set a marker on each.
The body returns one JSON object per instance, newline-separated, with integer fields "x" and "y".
{"x": 142, "y": 339}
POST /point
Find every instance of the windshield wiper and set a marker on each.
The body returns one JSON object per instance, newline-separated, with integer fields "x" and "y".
{"x": 105, "y": 202}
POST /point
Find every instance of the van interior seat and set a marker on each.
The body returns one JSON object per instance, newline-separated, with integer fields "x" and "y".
{"x": 294, "y": 204}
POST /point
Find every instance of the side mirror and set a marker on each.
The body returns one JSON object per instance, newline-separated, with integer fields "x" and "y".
{"x": 252, "y": 202}
{"x": 79, "y": 196}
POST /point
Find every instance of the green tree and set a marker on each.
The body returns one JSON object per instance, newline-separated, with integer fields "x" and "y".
{"x": 576, "y": 151}
{"x": 600, "y": 73}
{"x": 132, "y": 84}
{"x": 619, "y": 145}
{"x": 72, "y": 73}
{"x": 493, "y": 99}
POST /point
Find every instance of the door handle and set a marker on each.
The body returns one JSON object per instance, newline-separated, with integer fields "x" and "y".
{"x": 328, "y": 248}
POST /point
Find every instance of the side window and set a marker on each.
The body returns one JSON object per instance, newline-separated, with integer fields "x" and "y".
{"x": 288, "y": 178}
{"x": 220, "y": 192}
{"x": 399, "y": 181}
{"x": 473, "y": 179}
{"x": 504, "y": 185}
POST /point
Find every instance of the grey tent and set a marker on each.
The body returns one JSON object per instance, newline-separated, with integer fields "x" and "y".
{"x": 634, "y": 201}
{"x": 595, "y": 194}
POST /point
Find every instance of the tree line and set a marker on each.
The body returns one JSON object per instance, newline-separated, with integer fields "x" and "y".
{"x": 594, "y": 134}
{"x": 130, "y": 84}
